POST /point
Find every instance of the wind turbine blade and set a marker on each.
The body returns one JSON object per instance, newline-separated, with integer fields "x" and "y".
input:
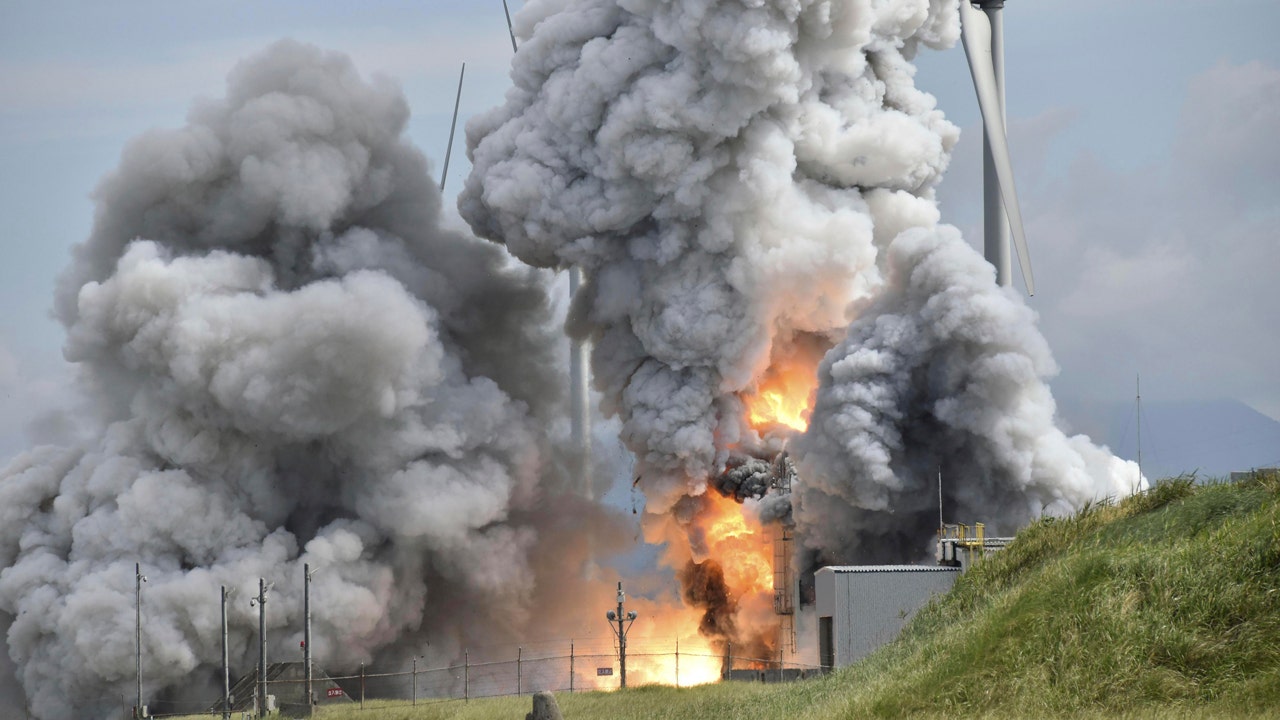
{"x": 976, "y": 34}
{"x": 452, "y": 126}
{"x": 510, "y": 31}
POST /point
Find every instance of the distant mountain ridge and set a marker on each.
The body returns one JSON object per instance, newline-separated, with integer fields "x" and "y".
{"x": 1211, "y": 437}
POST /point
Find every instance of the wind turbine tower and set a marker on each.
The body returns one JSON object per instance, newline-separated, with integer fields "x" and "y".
{"x": 579, "y": 366}
{"x": 982, "y": 31}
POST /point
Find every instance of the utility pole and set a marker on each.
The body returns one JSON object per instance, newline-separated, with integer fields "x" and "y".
{"x": 621, "y": 617}
{"x": 138, "y": 579}
{"x": 226, "y": 662}
{"x": 306, "y": 633}
{"x": 261, "y": 602}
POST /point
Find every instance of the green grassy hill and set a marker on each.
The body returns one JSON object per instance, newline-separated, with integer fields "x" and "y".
{"x": 1166, "y": 604}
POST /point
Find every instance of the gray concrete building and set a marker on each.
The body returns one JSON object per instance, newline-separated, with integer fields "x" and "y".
{"x": 862, "y": 607}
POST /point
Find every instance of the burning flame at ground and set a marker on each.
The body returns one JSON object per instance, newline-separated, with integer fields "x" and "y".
{"x": 723, "y": 555}
{"x": 724, "y": 559}
{"x": 655, "y": 657}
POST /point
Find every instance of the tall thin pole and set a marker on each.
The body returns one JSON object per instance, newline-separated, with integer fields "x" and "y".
{"x": 622, "y": 639}
{"x": 621, "y": 617}
{"x": 306, "y": 633}
{"x": 580, "y": 399}
{"x": 262, "y": 647}
{"x": 226, "y": 661}
{"x": 1139, "y": 400}
{"x": 452, "y": 126}
{"x": 941, "y": 522}
{"x": 579, "y": 392}
{"x": 138, "y": 579}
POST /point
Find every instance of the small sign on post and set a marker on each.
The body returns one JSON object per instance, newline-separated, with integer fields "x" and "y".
{"x": 604, "y": 672}
{"x": 333, "y": 692}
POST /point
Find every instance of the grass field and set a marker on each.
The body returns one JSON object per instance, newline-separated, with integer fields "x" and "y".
{"x": 1166, "y": 604}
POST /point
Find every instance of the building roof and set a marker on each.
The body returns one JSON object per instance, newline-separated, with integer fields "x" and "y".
{"x": 888, "y": 568}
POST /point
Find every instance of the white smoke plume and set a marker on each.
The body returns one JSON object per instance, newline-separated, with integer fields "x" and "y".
{"x": 723, "y": 172}
{"x": 293, "y": 363}
{"x": 742, "y": 179}
{"x": 943, "y": 374}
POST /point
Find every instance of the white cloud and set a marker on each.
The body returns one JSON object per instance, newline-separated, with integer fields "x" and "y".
{"x": 1169, "y": 270}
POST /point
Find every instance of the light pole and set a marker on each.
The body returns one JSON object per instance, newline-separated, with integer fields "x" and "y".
{"x": 621, "y": 631}
{"x": 226, "y": 660}
{"x": 261, "y": 602}
{"x": 138, "y": 579}
{"x": 306, "y": 632}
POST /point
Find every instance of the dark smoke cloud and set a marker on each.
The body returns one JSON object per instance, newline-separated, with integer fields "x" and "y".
{"x": 745, "y": 478}
{"x": 703, "y": 587}
{"x": 291, "y": 362}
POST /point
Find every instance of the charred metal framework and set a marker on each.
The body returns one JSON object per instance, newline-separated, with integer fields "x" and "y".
{"x": 770, "y": 481}
{"x": 784, "y": 581}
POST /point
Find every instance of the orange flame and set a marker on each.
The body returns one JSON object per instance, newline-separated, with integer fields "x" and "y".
{"x": 782, "y": 397}
{"x": 743, "y": 549}
{"x": 722, "y": 531}
{"x": 738, "y": 543}
{"x": 651, "y": 649}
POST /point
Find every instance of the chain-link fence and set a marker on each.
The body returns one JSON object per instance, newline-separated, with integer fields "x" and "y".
{"x": 559, "y": 666}
{"x": 577, "y": 667}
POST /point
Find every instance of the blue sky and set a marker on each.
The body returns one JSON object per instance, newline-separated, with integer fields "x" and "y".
{"x": 1142, "y": 131}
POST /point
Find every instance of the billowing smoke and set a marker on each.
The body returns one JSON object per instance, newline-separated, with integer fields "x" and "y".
{"x": 942, "y": 376}
{"x": 292, "y": 362}
{"x": 739, "y": 179}
{"x": 723, "y": 172}
{"x": 745, "y": 478}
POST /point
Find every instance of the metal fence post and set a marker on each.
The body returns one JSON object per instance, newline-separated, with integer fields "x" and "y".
{"x": 728, "y": 673}
{"x": 361, "y": 686}
{"x": 570, "y": 666}
{"x": 415, "y": 679}
{"x": 677, "y": 662}
{"x": 519, "y": 654}
{"x": 466, "y": 675}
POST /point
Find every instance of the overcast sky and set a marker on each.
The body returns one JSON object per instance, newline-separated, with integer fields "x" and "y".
{"x": 1143, "y": 134}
